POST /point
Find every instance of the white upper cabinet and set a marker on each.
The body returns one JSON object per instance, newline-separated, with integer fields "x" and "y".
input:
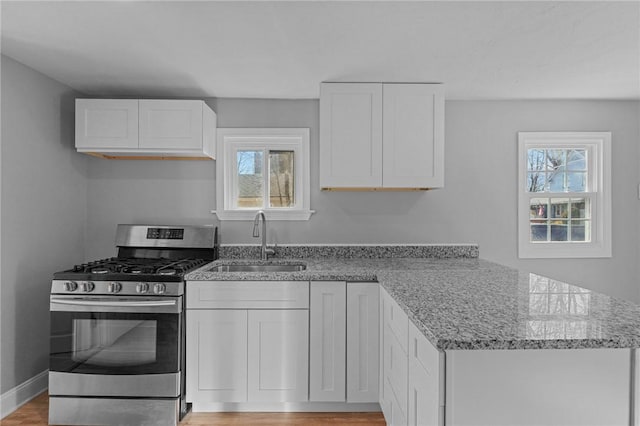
{"x": 145, "y": 128}
{"x": 350, "y": 135}
{"x": 170, "y": 124}
{"x": 413, "y": 135}
{"x": 106, "y": 124}
{"x": 381, "y": 136}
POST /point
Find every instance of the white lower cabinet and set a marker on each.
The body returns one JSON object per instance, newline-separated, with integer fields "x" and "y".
{"x": 237, "y": 354}
{"x": 328, "y": 343}
{"x": 247, "y": 356}
{"x": 258, "y": 344}
{"x": 425, "y": 407}
{"x": 362, "y": 341}
{"x": 344, "y": 341}
{"x": 217, "y": 355}
{"x": 278, "y": 349}
{"x": 394, "y": 362}
{"x": 410, "y": 370}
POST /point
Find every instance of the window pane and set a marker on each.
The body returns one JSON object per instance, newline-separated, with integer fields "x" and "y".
{"x": 539, "y": 230}
{"x": 559, "y": 230}
{"x": 536, "y": 182}
{"x": 249, "y": 162}
{"x": 577, "y": 159}
{"x": 535, "y": 159}
{"x": 556, "y": 170}
{"x": 580, "y": 230}
{"x": 556, "y": 159}
{"x": 580, "y": 208}
{"x": 576, "y": 181}
{"x": 559, "y": 208}
{"x": 538, "y": 208}
{"x": 557, "y": 181}
{"x": 250, "y": 180}
{"x": 281, "y": 179}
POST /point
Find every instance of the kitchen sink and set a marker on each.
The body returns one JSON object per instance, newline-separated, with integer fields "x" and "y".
{"x": 259, "y": 268}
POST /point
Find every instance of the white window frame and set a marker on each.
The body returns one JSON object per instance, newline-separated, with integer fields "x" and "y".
{"x": 230, "y": 140}
{"x": 598, "y": 144}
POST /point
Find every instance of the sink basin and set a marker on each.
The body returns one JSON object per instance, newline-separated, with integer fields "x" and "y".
{"x": 260, "y": 268}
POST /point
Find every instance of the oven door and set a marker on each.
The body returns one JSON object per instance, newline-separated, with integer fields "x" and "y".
{"x": 115, "y": 345}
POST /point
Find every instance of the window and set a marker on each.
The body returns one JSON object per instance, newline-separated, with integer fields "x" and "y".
{"x": 564, "y": 191}
{"x": 263, "y": 169}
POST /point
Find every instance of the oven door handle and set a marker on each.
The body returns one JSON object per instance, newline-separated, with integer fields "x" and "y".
{"x": 116, "y": 304}
{"x": 143, "y": 306}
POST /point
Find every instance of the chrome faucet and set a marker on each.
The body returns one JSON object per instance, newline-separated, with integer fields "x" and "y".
{"x": 264, "y": 251}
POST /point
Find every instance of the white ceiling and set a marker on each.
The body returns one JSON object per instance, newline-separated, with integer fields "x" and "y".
{"x": 480, "y": 50}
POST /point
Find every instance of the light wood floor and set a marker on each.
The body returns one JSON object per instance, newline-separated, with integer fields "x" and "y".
{"x": 35, "y": 413}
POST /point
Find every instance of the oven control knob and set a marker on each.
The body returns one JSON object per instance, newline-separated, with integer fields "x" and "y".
{"x": 114, "y": 287}
{"x": 142, "y": 288}
{"x": 87, "y": 287}
{"x": 70, "y": 286}
{"x": 159, "y": 288}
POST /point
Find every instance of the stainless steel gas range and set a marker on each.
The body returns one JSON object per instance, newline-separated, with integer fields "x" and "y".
{"x": 118, "y": 329}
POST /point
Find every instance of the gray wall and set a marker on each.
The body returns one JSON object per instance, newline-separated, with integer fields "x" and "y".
{"x": 43, "y": 212}
{"x": 478, "y": 203}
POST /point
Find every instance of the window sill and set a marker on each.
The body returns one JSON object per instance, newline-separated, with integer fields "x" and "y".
{"x": 564, "y": 250}
{"x": 270, "y": 214}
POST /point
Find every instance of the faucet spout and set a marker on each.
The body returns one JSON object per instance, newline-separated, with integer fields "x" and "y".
{"x": 264, "y": 251}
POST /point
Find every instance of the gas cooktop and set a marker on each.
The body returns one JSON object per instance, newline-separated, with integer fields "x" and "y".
{"x": 132, "y": 269}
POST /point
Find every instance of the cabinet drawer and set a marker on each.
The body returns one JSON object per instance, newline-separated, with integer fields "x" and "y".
{"x": 396, "y": 373}
{"x": 247, "y": 295}
{"x": 424, "y": 404}
{"x": 423, "y": 352}
{"x": 396, "y": 321}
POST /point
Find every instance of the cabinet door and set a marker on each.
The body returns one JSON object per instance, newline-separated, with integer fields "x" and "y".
{"x": 216, "y": 356}
{"x": 170, "y": 124}
{"x": 424, "y": 381}
{"x": 362, "y": 342}
{"x": 413, "y": 123}
{"x": 350, "y": 135}
{"x": 327, "y": 346}
{"x": 106, "y": 123}
{"x": 278, "y": 356}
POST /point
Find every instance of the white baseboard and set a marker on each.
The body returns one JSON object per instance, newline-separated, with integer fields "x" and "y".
{"x": 13, "y": 399}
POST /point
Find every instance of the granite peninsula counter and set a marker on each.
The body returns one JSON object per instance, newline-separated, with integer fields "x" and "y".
{"x": 469, "y": 303}
{"x": 500, "y": 346}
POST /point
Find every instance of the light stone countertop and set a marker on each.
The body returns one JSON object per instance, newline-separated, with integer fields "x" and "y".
{"x": 469, "y": 303}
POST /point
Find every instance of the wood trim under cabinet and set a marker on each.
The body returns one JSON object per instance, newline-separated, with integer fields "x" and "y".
{"x": 376, "y": 189}
{"x": 143, "y": 157}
